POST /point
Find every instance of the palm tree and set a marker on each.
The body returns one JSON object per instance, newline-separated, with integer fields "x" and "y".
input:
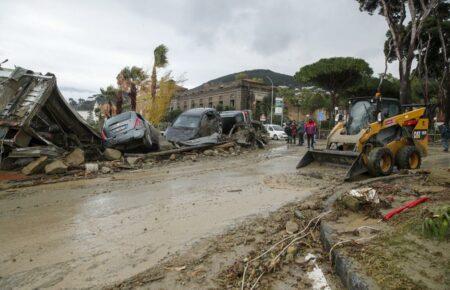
{"x": 128, "y": 80}
{"x": 160, "y": 61}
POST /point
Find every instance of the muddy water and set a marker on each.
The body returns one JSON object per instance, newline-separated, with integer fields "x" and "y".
{"x": 99, "y": 231}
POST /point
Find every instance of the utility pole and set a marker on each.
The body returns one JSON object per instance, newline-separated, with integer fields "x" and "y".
{"x": 271, "y": 101}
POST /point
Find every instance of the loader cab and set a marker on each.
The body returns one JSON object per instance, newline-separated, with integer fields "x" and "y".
{"x": 363, "y": 111}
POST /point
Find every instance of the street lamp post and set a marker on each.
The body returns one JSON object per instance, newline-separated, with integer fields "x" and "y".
{"x": 271, "y": 101}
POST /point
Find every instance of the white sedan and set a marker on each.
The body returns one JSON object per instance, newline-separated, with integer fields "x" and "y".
{"x": 276, "y": 132}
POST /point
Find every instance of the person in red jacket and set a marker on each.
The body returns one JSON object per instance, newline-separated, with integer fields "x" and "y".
{"x": 293, "y": 131}
{"x": 310, "y": 130}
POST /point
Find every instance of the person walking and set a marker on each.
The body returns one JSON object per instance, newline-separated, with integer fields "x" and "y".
{"x": 287, "y": 130}
{"x": 445, "y": 135}
{"x": 310, "y": 129}
{"x": 301, "y": 133}
{"x": 293, "y": 132}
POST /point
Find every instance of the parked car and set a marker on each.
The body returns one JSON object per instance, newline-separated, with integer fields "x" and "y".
{"x": 193, "y": 124}
{"x": 276, "y": 132}
{"x": 129, "y": 131}
{"x": 231, "y": 118}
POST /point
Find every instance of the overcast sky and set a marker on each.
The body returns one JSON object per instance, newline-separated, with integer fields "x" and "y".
{"x": 86, "y": 43}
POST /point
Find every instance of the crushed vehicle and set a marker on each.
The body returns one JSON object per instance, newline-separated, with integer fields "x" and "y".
{"x": 239, "y": 126}
{"x": 231, "y": 118}
{"x": 130, "y": 131}
{"x": 195, "y": 124}
{"x": 33, "y": 113}
{"x": 376, "y": 137}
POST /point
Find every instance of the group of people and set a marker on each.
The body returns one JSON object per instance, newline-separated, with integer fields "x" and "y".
{"x": 308, "y": 129}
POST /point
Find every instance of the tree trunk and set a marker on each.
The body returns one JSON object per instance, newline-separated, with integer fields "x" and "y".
{"x": 405, "y": 81}
{"x": 444, "y": 85}
{"x": 119, "y": 102}
{"x": 154, "y": 80}
{"x": 133, "y": 95}
{"x": 446, "y": 98}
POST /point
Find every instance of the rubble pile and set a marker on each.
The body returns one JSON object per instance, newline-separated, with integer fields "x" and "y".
{"x": 365, "y": 200}
{"x": 41, "y": 133}
{"x": 36, "y": 121}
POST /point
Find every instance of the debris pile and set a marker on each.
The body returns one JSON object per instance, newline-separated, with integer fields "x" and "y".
{"x": 36, "y": 121}
{"x": 365, "y": 200}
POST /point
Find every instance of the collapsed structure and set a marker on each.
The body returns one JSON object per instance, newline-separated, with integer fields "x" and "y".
{"x": 35, "y": 118}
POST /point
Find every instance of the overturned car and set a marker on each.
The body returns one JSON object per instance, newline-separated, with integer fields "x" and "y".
{"x": 129, "y": 131}
{"x": 194, "y": 124}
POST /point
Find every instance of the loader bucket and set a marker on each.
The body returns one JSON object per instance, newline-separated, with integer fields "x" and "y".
{"x": 347, "y": 159}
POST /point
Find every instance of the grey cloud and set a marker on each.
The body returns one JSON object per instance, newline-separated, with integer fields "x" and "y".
{"x": 85, "y": 43}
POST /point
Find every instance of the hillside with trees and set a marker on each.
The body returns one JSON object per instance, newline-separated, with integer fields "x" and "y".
{"x": 278, "y": 79}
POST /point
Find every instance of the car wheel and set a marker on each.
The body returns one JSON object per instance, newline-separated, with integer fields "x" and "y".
{"x": 275, "y": 137}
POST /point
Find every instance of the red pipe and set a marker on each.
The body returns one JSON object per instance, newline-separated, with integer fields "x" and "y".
{"x": 407, "y": 205}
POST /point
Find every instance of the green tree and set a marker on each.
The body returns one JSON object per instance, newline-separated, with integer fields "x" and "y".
{"x": 432, "y": 70}
{"x": 368, "y": 86}
{"x": 336, "y": 75}
{"x": 109, "y": 93}
{"x": 404, "y": 35}
{"x": 73, "y": 103}
{"x": 160, "y": 61}
{"x": 241, "y": 76}
{"x": 129, "y": 79}
{"x": 171, "y": 115}
{"x": 219, "y": 107}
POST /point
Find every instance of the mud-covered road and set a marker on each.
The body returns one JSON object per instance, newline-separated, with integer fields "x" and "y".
{"x": 99, "y": 231}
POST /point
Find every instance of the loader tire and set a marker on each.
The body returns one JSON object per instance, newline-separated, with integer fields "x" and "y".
{"x": 408, "y": 157}
{"x": 381, "y": 161}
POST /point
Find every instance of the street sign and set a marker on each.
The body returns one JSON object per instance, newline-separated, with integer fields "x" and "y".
{"x": 263, "y": 118}
{"x": 321, "y": 116}
{"x": 278, "y": 106}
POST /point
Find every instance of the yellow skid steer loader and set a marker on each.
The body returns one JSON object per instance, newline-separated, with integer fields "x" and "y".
{"x": 375, "y": 138}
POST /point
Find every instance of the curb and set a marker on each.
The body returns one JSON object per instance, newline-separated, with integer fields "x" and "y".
{"x": 343, "y": 266}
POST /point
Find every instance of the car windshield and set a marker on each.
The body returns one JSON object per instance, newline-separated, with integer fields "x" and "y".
{"x": 360, "y": 114}
{"x": 277, "y": 128}
{"x": 188, "y": 121}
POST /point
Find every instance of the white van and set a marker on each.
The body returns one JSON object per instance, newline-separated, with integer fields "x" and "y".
{"x": 276, "y": 132}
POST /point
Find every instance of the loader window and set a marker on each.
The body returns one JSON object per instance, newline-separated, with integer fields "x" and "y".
{"x": 360, "y": 115}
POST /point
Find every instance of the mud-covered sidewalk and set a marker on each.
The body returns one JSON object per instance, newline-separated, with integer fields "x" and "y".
{"x": 100, "y": 231}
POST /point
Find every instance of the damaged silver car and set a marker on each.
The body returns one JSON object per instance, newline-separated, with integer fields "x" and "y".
{"x": 129, "y": 131}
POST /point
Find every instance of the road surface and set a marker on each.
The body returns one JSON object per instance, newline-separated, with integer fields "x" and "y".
{"x": 94, "y": 232}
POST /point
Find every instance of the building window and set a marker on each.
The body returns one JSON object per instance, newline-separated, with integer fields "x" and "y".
{"x": 232, "y": 103}
{"x": 192, "y": 104}
{"x": 201, "y": 103}
{"x": 184, "y": 105}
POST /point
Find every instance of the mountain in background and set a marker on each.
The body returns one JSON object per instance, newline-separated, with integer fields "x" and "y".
{"x": 278, "y": 79}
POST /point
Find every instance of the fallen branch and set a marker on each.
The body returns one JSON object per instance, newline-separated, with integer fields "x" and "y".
{"x": 296, "y": 237}
{"x": 180, "y": 150}
{"x": 344, "y": 242}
